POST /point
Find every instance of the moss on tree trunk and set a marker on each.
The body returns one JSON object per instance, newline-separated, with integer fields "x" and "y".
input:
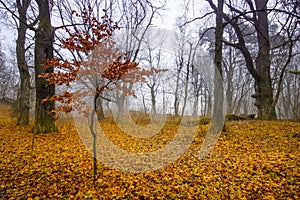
{"x": 44, "y": 121}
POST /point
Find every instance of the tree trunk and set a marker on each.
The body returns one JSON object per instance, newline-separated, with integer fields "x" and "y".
{"x": 100, "y": 110}
{"x": 44, "y": 121}
{"x": 263, "y": 89}
{"x": 176, "y": 100}
{"x": 94, "y": 134}
{"x": 153, "y": 99}
{"x": 24, "y": 95}
{"x": 229, "y": 70}
{"x": 195, "y": 106}
{"x": 177, "y": 89}
{"x": 217, "y": 120}
{"x": 261, "y": 71}
{"x": 120, "y": 101}
{"x": 144, "y": 102}
{"x": 187, "y": 78}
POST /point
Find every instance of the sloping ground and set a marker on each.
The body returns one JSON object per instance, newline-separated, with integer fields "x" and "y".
{"x": 252, "y": 160}
{"x": 4, "y": 110}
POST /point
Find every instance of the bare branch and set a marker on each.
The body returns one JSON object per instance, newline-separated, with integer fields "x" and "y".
{"x": 16, "y": 16}
{"x": 197, "y": 18}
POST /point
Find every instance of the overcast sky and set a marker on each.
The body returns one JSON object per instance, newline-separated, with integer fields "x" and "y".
{"x": 173, "y": 10}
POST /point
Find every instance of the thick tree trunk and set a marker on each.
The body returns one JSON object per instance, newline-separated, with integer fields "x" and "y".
{"x": 24, "y": 93}
{"x": 261, "y": 70}
{"x": 217, "y": 119}
{"x": 44, "y": 121}
{"x": 263, "y": 89}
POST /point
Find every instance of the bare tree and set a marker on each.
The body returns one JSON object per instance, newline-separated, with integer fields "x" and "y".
{"x": 218, "y": 115}
{"x": 289, "y": 102}
{"x": 153, "y": 59}
{"x": 177, "y": 92}
{"x": 258, "y": 64}
{"x": 44, "y": 122}
{"x": 23, "y": 22}
{"x": 136, "y": 20}
{"x": 9, "y": 82}
{"x": 181, "y": 71}
{"x": 217, "y": 119}
{"x": 24, "y": 97}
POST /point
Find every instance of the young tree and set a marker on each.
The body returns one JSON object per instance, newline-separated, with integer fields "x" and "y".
{"x": 181, "y": 61}
{"x": 153, "y": 57}
{"x": 101, "y": 71}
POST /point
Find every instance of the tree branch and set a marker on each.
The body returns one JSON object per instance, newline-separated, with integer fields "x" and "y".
{"x": 197, "y": 18}
{"x": 16, "y": 16}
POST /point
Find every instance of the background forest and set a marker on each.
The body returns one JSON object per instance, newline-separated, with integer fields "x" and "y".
{"x": 182, "y": 68}
{"x": 260, "y": 52}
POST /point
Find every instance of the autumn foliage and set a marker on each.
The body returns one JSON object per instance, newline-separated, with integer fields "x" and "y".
{"x": 251, "y": 160}
{"x": 97, "y": 65}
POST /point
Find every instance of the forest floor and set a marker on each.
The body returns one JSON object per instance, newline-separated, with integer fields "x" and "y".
{"x": 251, "y": 160}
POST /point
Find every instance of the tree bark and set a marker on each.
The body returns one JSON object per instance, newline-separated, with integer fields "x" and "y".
{"x": 44, "y": 121}
{"x": 187, "y": 78}
{"x": 260, "y": 71}
{"x": 153, "y": 99}
{"x": 100, "y": 110}
{"x": 217, "y": 120}
{"x": 176, "y": 95}
{"x": 229, "y": 71}
{"x": 263, "y": 89}
{"x": 24, "y": 92}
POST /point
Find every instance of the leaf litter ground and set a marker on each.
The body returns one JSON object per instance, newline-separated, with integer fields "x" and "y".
{"x": 251, "y": 160}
